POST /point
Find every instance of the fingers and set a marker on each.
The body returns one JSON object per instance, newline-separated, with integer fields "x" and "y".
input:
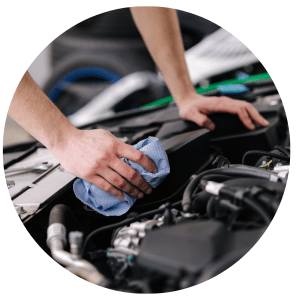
{"x": 244, "y": 117}
{"x": 256, "y": 116}
{"x": 197, "y": 108}
{"x": 138, "y": 157}
{"x": 130, "y": 174}
{"x": 247, "y": 114}
{"x": 121, "y": 183}
{"x": 106, "y": 186}
{"x": 245, "y": 110}
{"x": 202, "y": 120}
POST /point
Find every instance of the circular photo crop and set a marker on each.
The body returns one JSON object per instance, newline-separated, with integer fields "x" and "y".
{"x": 146, "y": 150}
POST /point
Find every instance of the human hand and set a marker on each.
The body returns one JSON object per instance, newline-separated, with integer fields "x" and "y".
{"x": 196, "y": 108}
{"x": 94, "y": 155}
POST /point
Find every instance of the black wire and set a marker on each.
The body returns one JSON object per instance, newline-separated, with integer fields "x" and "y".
{"x": 264, "y": 153}
{"x": 283, "y": 150}
{"x": 123, "y": 223}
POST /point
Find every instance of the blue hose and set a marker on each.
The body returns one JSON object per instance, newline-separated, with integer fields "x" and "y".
{"x": 78, "y": 74}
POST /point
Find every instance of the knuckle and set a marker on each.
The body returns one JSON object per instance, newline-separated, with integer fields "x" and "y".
{"x": 248, "y": 105}
{"x": 131, "y": 175}
{"x": 186, "y": 113}
{"x": 88, "y": 171}
{"x": 134, "y": 192}
{"x": 103, "y": 156}
{"x": 131, "y": 190}
{"x": 143, "y": 185}
{"x": 139, "y": 155}
{"x": 122, "y": 183}
{"x": 96, "y": 164}
{"x": 108, "y": 188}
{"x": 203, "y": 122}
{"x": 86, "y": 174}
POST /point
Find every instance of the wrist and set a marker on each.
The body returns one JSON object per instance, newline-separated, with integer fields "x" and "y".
{"x": 185, "y": 97}
{"x": 62, "y": 137}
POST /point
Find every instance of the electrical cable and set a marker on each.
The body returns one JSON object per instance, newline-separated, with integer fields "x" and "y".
{"x": 265, "y": 164}
{"x": 283, "y": 150}
{"x": 264, "y": 153}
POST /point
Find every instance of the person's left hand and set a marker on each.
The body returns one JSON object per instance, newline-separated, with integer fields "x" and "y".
{"x": 196, "y": 108}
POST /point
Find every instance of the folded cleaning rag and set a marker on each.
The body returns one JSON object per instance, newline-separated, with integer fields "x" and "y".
{"x": 109, "y": 205}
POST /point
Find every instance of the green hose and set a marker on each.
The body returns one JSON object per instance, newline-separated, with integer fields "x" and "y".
{"x": 212, "y": 87}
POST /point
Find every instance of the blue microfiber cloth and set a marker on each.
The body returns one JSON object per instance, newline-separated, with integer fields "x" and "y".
{"x": 109, "y": 205}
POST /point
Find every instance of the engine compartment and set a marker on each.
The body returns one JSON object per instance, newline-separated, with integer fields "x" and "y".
{"x": 222, "y": 193}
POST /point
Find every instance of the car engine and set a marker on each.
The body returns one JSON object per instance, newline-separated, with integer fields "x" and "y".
{"x": 223, "y": 191}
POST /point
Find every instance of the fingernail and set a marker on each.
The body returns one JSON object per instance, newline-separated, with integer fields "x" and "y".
{"x": 149, "y": 191}
{"x": 266, "y": 123}
{"x": 140, "y": 195}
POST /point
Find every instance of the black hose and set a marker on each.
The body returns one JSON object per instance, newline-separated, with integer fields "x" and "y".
{"x": 257, "y": 209}
{"x": 217, "y": 177}
{"x": 264, "y": 153}
{"x": 234, "y": 171}
{"x": 60, "y": 213}
{"x": 200, "y": 202}
{"x": 269, "y": 201}
{"x": 210, "y": 209}
{"x": 249, "y": 202}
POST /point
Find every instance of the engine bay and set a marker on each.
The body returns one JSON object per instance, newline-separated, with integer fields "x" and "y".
{"x": 223, "y": 191}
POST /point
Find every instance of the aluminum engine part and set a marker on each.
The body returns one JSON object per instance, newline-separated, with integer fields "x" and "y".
{"x": 128, "y": 238}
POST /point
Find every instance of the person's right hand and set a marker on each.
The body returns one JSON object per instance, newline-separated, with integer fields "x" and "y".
{"x": 94, "y": 155}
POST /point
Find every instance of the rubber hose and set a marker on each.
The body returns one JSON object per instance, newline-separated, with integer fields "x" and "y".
{"x": 267, "y": 200}
{"x": 60, "y": 213}
{"x": 258, "y": 209}
{"x": 210, "y": 207}
{"x": 200, "y": 202}
{"x": 234, "y": 171}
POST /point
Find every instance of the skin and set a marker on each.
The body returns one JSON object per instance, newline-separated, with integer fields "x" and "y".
{"x": 94, "y": 155}
{"x": 160, "y": 30}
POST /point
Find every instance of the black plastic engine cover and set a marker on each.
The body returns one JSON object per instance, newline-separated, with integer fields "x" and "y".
{"x": 187, "y": 153}
{"x": 235, "y": 140}
{"x": 190, "y": 246}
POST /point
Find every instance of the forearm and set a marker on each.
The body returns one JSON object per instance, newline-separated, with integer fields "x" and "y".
{"x": 35, "y": 112}
{"x": 93, "y": 155}
{"x": 160, "y": 30}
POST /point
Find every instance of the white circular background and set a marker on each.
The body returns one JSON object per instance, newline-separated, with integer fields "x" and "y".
{"x": 270, "y": 31}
